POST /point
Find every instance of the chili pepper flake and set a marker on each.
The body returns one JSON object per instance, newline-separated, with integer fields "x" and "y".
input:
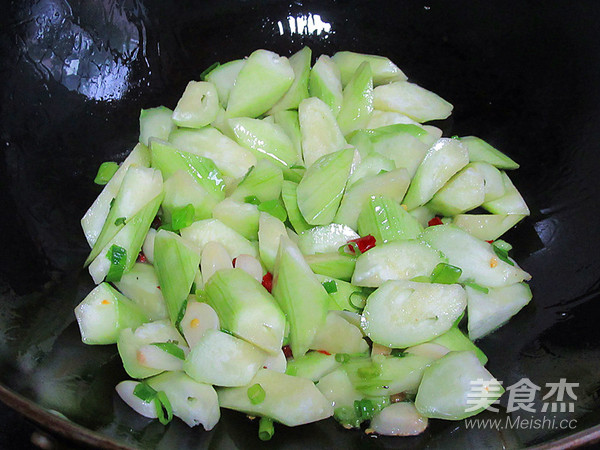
{"x": 435, "y": 221}
{"x": 363, "y": 243}
{"x": 287, "y": 351}
{"x": 267, "y": 281}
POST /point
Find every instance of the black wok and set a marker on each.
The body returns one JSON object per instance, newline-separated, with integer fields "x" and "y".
{"x": 523, "y": 75}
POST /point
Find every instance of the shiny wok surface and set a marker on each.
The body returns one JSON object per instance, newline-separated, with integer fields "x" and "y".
{"x": 74, "y": 74}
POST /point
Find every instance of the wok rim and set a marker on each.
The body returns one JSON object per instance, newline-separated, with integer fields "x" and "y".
{"x": 53, "y": 423}
{"x": 79, "y": 434}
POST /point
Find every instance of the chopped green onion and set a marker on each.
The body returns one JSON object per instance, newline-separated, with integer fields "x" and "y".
{"x": 256, "y": 394}
{"x": 347, "y": 357}
{"x": 275, "y": 208}
{"x": 208, "y": 70}
{"x": 421, "y": 279}
{"x": 398, "y": 353}
{"x": 193, "y": 288}
{"x": 252, "y": 199}
{"x": 445, "y": 274}
{"x": 343, "y": 413}
{"x": 365, "y": 409}
{"x": 342, "y": 357}
{"x": 355, "y": 248}
{"x": 117, "y": 256}
{"x": 330, "y": 286}
{"x": 502, "y": 253}
{"x": 164, "y": 410}
{"x": 182, "y": 217}
{"x": 297, "y": 166}
{"x": 144, "y": 392}
{"x": 366, "y": 291}
{"x": 357, "y": 300}
{"x": 502, "y": 244}
{"x": 266, "y": 430}
{"x": 120, "y": 221}
{"x": 379, "y": 403}
{"x": 477, "y": 287}
{"x": 106, "y": 172}
{"x": 112, "y": 202}
{"x": 171, "y": 349}
{"x": 351, "y": 248}
{"x": 346, "y": 415}
{"x": 181, "y": 313}
{"x": 368, "y": 372}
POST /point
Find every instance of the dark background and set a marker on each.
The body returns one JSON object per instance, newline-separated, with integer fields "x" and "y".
{"x": 74, "y": 75}
{"x": 15, "y": 431}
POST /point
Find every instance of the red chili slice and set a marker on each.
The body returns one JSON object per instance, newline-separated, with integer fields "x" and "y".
{"x": 363, "y": 243}
{"x": 233, "y": 262}
{"x": 287, "y": 351}
{"x": 435, "y": 221}
{"x": 142, "y": 258}
{"x": 325, "y": 352}
{"x": 267, "y": 281}
{"x": 489, "y": 242}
